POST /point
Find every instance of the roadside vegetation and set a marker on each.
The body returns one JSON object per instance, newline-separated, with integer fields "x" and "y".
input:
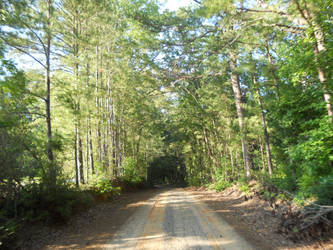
{"x": 100, "y": 97}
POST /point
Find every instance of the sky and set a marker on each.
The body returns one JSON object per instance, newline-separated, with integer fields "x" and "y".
{"x": 176, "y": 4}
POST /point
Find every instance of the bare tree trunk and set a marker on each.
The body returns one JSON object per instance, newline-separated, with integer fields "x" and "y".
{"x": 76, "y": 154}
{"x": 81, "y": 159}
{"x": 264, "y": 126}
{"x": 124, "y": 143}
{"x": 91, "y": 152}
{"x": 319, "y": 49}
{"x": 87, "y": 126}
{"x": 112, "y": 140}
{"x": 138, "y": 147}
{"x": 87, "y": 150}
{"x": 272, "y": 69}
{"x": 262, "y": 156}
{"x": 79, "y": 139}
{"x": 53, "y": 174}
{"x": 209, "y": 151}
{"x": 322, "y": 79}
{"x": 236, "y": 164}
{"x": 232, "y": 162}
{"x": 98, "y": 133}
{"x": 238, "y": 103}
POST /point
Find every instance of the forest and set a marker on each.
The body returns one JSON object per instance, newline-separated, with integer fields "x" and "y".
{"x": 100, "y": 94}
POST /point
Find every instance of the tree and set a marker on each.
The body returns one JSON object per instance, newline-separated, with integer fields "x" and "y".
{"x": 30, "y": 31}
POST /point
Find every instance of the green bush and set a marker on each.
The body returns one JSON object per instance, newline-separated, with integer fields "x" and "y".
{"x": 194, "y": 181}
{"x": 39, "y": 204}
{"x": 8, "y": 228}
{"x": 104, "y": 185}
{"x": 244, "y": 188}
{"x": 36, "y": 203}
{"x": 324, "y": 191}
{"x": 131, "y": 172}
{"x": 220, "y": 183}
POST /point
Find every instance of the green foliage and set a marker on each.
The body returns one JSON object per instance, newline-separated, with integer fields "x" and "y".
{"x": 8, "y": 229}
{"x": 268, "y": 195}
{"x": 324, "y": 190}
{"x": 104, "y": 185}
{"x": 220, "y": 184}
{"x": 38, "y": 203}
{"x": 130, "y": 171}
{"x": 244, "y": 188}
{"x": 285, "y": 181}
{"x": 194, "y": 181}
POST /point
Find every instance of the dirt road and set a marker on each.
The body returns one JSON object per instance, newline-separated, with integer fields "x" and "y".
{"x": 174, "y": 219}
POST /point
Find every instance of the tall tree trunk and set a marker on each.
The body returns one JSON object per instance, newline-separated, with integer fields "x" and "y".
{"x": 87, "y": 150}
{"x": 98, "y": 133}
{"x": 138, "y": 147}
{"x": 53, "y": 174}
{"x": 91, "y": 152}
{"x": 232, "y": 162}
{"x": 81, "y": 159}
{"x": 321, "y": 75}
{"x": 238, "y": 103}
{"x": 319, "y": 50}
{"x": 262, "y": 156}
{"x": 272, "y": 70}
{"x": 76, "y": 154}
{"x": 81, "y": 166}
{"x": 88, "y": 166}
{"x": 209, "y": 151}
{"x": 264, "y": 126}
{"x": 124, "y": 144}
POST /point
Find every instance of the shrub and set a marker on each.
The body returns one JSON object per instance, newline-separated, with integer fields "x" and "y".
{"x": 104, "y": 186}
{"x": 8, "y": 228}
{"x": 220, "y": 183}
{"x": 36, "y": 203}
{"x": 324, "y": 191}
{"x": 194, "y": 181}
{"x": 39, "y": 204}
{"x": 130, "y": 171}
{"x": 244, "y": 188}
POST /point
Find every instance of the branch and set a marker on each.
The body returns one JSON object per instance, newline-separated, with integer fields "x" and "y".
{"x": 23, "y": 51}
{"x": 39, "y": 39}
{"x": 27, "y": 53}
{"x": 36, "y": 95}
{"x": 264, "y": 11}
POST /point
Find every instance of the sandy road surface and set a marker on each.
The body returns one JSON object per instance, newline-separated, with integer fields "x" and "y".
{"x": 173, "y": 219}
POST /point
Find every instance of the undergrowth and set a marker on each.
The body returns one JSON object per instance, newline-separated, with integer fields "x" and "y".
{"x": 35, "y": 203}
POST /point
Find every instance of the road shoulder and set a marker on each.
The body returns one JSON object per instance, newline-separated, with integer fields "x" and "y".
{"x": 252, "y": 219}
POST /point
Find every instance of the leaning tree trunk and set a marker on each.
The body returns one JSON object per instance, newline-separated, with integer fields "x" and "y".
{"x": 238, "y": 103}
